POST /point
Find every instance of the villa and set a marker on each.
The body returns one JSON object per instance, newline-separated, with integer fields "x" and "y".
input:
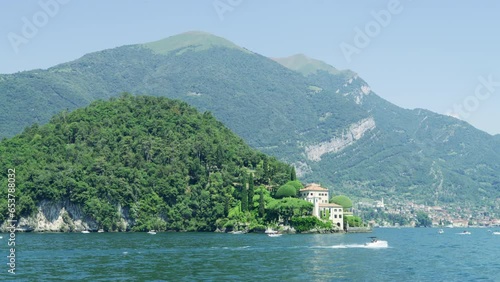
{"x": 319, "y": 197}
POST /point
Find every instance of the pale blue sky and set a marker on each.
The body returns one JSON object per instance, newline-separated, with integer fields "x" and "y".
{"x": 430, "y": 54}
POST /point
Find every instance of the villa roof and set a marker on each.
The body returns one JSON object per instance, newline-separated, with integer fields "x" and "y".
{"x": 313, "y": 187}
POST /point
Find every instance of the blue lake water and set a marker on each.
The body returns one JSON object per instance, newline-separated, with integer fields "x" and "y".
{"x": 413, "y": 255}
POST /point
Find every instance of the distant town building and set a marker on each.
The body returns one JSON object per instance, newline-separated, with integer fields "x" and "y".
{"x": 319, "y": 197}
{"x": 379, "y": 204}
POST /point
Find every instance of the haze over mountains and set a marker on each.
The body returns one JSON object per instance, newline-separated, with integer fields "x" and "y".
{"x": 328, "y": 123}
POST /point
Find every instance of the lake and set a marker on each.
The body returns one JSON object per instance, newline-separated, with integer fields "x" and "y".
{"x": 414, "y": 254}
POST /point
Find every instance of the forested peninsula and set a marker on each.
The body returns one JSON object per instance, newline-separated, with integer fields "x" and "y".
{"x": 137, "y": 163}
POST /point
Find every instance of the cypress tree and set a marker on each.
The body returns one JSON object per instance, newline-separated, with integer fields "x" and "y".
{"x": 251, "y": 192}
{"x": 265, "y": 168}
{"x": 261, "y": 203}
{"x": 293, "y": 175}
{"x": 244, "y": 195}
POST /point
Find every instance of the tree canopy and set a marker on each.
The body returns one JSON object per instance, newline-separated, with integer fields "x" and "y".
{"x": 423, "y": 220}
{"x": 286, "y": 190}
{"x": 344, "y": 201}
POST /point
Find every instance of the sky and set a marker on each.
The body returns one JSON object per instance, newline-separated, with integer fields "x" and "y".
{"x": 438, "y": 55}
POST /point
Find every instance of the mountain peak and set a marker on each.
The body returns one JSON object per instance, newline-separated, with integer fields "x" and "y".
{"x": 306, "y": 65}
{"x": 195, "y": 40}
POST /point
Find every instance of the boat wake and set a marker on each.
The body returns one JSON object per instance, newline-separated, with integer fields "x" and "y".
{"x": 231, "y": 248}
{"x": 350, "y": 246}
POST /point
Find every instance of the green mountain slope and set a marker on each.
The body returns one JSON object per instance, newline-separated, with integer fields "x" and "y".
{"x": 328, "y": 124}
{"x": 307, "y": 66}
{"x": 153, "y": 163}
{"x": 192, "y": 41}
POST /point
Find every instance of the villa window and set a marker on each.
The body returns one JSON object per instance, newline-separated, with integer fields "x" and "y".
{"x": 340, "y": 216}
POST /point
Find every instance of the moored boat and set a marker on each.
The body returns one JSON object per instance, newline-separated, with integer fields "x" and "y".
{"x": 274, "y": 234}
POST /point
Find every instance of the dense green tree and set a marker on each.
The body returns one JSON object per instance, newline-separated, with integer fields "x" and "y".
{"x": 265, "y": 168}
{"x": 251, "y": 191}
{"x": 293, "y": 175}
{"x": 286, "y": 191}
{"x": 296, "y": 184}
{"x": 244, "y": 194}
{"x": 306, "y": 223}
{"x": 289, "y": 207}
{"x": 353, "y": 221}
{"x": 262, "y": 206}
{"x": 423, "y": 220}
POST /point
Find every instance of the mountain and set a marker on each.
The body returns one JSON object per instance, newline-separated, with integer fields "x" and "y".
{"x": 131, "y": 163}
{"x": 190, "y": 41}
{"x": 328, "y": 123}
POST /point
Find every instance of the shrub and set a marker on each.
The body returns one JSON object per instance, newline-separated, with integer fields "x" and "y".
{"x": 296, "y": 184}
{"x": 286, "y": 191}
{"x": 305, "y": 223}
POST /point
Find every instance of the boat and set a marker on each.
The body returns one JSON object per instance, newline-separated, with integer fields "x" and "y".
{"x": 274, "y": 234}
{"x": 376, "y": 243}
{"x": 496, "y": 233}
{"x": 100, "y": 231}
{"x": 237, "y": 232}
{"x": 465, "y": 232}
{"x": 152, "y": 232}
{"x": 441, "y": 231}
{"x": 85, "y": 231}
{"x": 270, "y": 231}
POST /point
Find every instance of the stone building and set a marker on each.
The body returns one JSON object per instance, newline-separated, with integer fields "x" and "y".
{"x": 322, "y": 209}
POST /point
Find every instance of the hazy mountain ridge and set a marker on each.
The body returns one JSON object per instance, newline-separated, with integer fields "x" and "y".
{"x": 408, "y": 153}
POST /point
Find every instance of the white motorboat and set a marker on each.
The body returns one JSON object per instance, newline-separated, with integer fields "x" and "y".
{"x": 496, "y": 233}
{"x": 376, "y": 243}
{"x": 152, "y": 232}
{"x": 441, "y": 231}
{"x": 85, "y": 231}
{"x": 237, "y": 232}
{"x": 465, "y": 232}
{"x": 100, "y": 231}
{"x": 274, "y": 234}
